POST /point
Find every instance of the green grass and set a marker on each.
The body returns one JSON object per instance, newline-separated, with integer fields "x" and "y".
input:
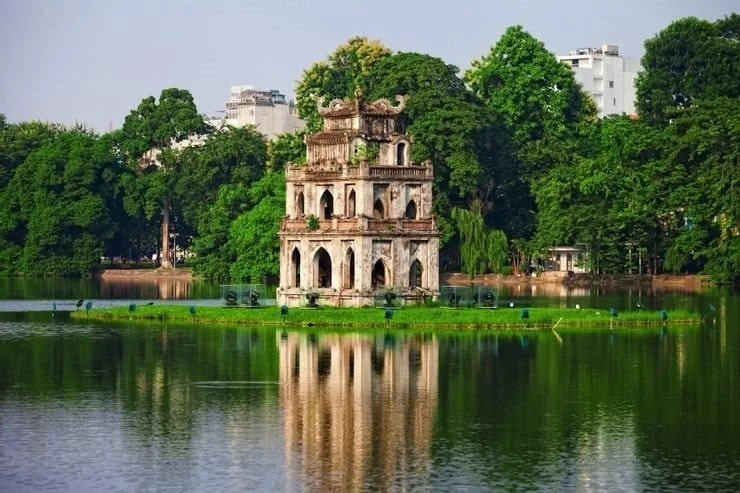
{"x": 411, "y": 317}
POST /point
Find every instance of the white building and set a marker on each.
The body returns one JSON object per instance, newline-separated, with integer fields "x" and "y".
{"x": 269, "y": 111}
{"x": 608, "y": 77}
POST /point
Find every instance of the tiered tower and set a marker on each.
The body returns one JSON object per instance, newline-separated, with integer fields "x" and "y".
{"x": 358, "y": 213}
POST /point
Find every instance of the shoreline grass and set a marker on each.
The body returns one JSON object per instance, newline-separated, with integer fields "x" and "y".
{"x": 407, "y": 317}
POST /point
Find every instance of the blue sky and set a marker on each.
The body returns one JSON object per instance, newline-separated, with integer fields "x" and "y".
{"x": 92, "y": 61}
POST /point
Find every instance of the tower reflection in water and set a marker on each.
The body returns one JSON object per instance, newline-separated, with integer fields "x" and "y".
{"x": 358, "y": 409}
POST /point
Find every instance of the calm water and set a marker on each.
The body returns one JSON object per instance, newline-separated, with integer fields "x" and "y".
{"x": 87, "y": 406}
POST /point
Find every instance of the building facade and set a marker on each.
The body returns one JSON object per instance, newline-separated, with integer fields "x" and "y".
{"x": 608, "y": 77}
{"x": 269, "y": 111}
{"x": 358, "y": 213}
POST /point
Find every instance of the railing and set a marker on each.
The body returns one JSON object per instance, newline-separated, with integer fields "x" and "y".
{"x": 359, "y": 224}
{"x": 361, "y": 171}
{"x": 400, "y": 172}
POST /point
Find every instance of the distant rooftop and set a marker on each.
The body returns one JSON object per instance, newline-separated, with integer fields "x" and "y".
{"x": 605, "y": 49}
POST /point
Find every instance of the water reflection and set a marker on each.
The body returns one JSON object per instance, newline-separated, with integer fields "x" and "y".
{"x": 358, "y": 410}
{"x": 159, "y": 288}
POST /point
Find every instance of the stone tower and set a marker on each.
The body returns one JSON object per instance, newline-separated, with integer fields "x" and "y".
{"x": 358, "y": 213}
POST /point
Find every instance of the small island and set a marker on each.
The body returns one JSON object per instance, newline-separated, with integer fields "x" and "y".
{"x": 410, "y": 317}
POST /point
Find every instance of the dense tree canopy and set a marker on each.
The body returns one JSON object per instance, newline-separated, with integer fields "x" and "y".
{"x": 535, "y": 94}
{"x": 60, "y": 208}
{"x": 690, "y": 59}
{"x": 517, "y": 154}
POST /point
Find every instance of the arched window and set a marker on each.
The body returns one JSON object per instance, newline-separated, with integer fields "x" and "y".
{"x": 349, "y": 270}
{"x": 415, "y": 274}
{"x": 322, "y": 269}
{"x": 351, "y": 204}
{"x": 295, "y": 262}
{"x": 401, "y": 154}
{"x": 411, "y": 210}
{"x": 378, "y": 209}
{"x": 299, "y": 202}
{"x": 327, "y": 205}
{"x": 378, "y": 279}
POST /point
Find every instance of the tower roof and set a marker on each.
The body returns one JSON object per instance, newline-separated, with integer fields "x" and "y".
{"x": 338, "y": 108}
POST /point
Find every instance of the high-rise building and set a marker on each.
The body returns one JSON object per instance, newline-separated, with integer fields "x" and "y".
{"x": 608, "y": 77}
{"x": 269, "y": 111}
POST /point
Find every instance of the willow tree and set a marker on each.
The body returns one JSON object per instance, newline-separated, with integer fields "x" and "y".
{"x": 480, "y": 248}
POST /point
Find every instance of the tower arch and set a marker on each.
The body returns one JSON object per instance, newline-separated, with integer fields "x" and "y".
{"x": 322, "y": 268}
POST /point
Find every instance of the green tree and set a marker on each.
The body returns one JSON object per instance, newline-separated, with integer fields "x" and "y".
{"x": 535, "y": 94}
{"x": 61, "y": 203}
{"x": 453, "y": 129}
{"x": 612, "y": 193}
{"x": 287, "y": 147}
{"x": 230, "y": 155}
{"x": 688, "y": 60}
{"x": 254, "y": 235}
{"x": 146, "y": 138}
{"x": 345, "y": 70}
{"x": 19, "y": 140}
{"x": 213, "y": 252}
{"x": 705, "y": 153}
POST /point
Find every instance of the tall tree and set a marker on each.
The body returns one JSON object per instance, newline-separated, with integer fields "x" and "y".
{"x": 345, "y": 70}
{"x": 535, "y": 94}
{"x": 688, "y": 60}
{"x": 147, "y": 136}
{"x": 451, "y": 127}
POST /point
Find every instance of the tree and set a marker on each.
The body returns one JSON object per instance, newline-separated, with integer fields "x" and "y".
{"x": 535, "y": 94}
{"x": 344, "y": 71}
{"x": 452, "y": 128}
{"x": 287, "y": 147}
{"x": 688, "y": 60}
{"x": 253, "y": 236}
{"x": 543, "y": 114}
{"x": 230, "y": 155}
{"x": 213, "y": 252}
{"x": 19, "y": 140}
{"x": 705, "y": 153}
{"x": 611, "y": 193}
{"x": 480, "y": 248}
{"x": 146, "y": 138}
{"x": 60, "y": 205}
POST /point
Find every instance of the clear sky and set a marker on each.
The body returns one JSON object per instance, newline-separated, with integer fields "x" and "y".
{"x": 92, "y": 61}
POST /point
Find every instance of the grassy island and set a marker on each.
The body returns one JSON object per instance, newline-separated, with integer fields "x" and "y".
{"x": 407, "y": 317}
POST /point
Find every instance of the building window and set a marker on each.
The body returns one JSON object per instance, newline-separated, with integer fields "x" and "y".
{"x": 349, "y": 270}
{"x": 401, "y": 154}
{"x": 415, "y": 274}
{"x": 322, "y": 269}
{"x": 299, "y": 206}
{"x": 411, "y": 210}
{"x": 327, "y": 205}
{"x": 296, "y": 264}
{"x": 614, "y": 101}
{"x": 378, "y": 209}
{"x": 575, "y": 63}
{"x": 351, "y": 204}
{"x": 611, "y": 84}
{"x": 378, "y": 278}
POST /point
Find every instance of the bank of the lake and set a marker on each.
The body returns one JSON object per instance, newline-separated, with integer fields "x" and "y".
{"x": 407, "y": 317}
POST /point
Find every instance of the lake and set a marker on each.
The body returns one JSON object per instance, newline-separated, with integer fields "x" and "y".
{"x": 89, "y": 406}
